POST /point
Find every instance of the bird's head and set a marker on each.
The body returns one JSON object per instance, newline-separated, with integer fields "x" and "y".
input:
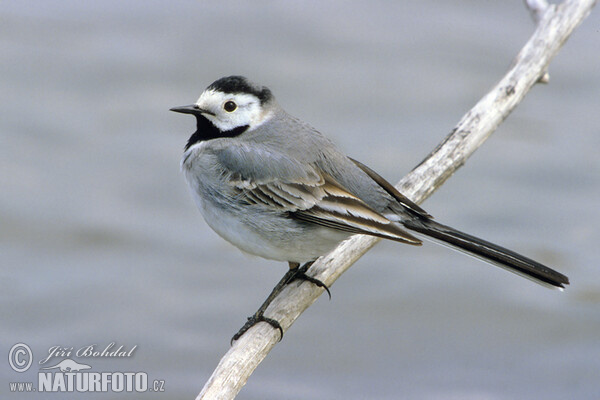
{"x": 232, "y": 104}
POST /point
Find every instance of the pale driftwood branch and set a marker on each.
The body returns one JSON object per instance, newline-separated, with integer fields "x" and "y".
{"x": 537, "y": 8}
{"x": 555, "y": 24}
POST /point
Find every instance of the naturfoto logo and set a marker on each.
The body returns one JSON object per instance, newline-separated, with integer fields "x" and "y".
{"x": 59, "y": 372}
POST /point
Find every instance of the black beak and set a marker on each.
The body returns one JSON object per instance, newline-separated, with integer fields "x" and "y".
{"x": 191, "y": 109}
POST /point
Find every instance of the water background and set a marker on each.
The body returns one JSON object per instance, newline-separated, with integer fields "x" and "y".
{"x": 100, "y": 241}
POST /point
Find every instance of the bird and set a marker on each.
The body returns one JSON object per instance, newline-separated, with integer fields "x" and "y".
{"x": 274, "y": 186}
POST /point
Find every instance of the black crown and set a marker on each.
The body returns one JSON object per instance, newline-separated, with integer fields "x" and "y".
{"x": 239, "y": 84}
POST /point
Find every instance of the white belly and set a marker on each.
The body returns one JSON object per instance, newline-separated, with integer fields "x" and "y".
{"x": 249, "y": 228}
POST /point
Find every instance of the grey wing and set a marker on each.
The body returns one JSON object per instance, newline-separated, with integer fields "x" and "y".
{"x": 259, "y": 164}
{"x": 280, "y": 184}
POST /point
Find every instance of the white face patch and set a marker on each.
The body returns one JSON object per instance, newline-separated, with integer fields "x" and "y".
{"x": 248, "y": 110}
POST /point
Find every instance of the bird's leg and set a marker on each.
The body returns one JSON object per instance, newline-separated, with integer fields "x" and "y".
{"x": 295, "y": 272}
{"x": 258, "y": 315}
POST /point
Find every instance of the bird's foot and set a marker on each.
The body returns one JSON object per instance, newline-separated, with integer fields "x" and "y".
{"x": 301, "y": 275}
{"x": 255, "y": 319}
{"x": 295, "y": 272}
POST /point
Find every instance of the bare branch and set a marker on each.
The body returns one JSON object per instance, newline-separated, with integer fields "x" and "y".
{"x": 537, "y": 8}
{"x": 555, "y": 24}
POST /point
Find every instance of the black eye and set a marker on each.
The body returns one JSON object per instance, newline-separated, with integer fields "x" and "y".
{"x": 229, "y": 106}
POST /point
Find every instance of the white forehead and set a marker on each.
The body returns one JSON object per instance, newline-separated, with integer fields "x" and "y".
{"x": 216, "y": 98}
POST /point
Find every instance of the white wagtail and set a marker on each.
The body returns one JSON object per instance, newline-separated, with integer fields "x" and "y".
{"x": 275, "y": 187}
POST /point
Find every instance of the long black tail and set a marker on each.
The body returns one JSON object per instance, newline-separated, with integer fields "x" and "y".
{"x": 488, "y": 252}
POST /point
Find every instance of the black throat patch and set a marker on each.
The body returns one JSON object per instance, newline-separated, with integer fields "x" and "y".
{"x": 205, "y": 130}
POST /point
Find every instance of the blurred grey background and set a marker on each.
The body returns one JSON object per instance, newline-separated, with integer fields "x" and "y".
{"x": 100, "y": 241}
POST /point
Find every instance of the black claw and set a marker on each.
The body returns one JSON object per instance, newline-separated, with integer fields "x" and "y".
{"x": 275, "y": 324}
{"x": 253, "y": 320}
{"x": 303, "y": 277}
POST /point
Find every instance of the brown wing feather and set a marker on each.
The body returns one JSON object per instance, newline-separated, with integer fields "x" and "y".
{"x": 326, "y": 203}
